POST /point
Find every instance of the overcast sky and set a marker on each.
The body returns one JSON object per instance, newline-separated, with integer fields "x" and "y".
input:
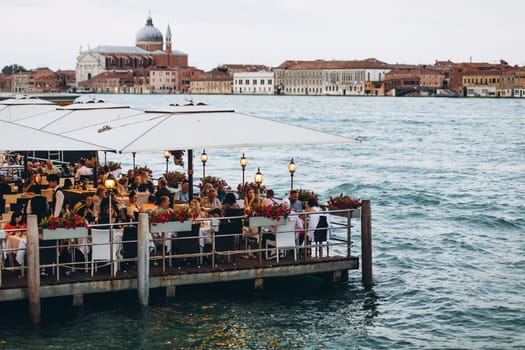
{"x": 39, "y": 33}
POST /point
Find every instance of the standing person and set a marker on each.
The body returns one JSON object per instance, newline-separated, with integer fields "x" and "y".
{"x": 132, "y": 210}
{"x": 59, "y": 201}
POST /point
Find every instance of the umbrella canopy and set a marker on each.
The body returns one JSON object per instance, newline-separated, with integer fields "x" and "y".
{"x": 57, "y": 119}
{"x": 23, "y": 138}
{"x": 198, "y": 127}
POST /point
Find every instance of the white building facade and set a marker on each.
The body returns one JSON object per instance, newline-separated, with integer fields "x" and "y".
{"x": 337, "y": 78}
{"x": 253, "y": 83}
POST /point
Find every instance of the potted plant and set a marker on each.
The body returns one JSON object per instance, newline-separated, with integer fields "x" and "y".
{"x": 64, "y": 227}
{"x": 215, "y": 181}
{"x": 174, "y": 178}
{"x": 172, "y": 220}
{"x": 268, "y": 215}
{"x": 305, "y": 195}
{"x": 242, "y": 189}
{"x": 344, "y": 202}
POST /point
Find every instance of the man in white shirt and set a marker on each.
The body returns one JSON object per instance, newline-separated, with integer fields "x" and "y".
{"x": 83, "y": 171}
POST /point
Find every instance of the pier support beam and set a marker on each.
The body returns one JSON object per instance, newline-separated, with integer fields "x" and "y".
{"x": 258, "y": 284}
{"x": 33, "y": 269}
{"x": 366, "y": 242}
{"x": 171, "y": 292}
{"x": 143, "y": 259}
{"x": 78, "y": 299}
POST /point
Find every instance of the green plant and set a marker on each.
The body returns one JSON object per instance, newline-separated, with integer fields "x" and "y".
{"x": 174, "y": 177}
{"x": 343, "y": 202}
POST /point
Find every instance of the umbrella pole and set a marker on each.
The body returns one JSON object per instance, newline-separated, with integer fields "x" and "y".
{"x": 190, "y": 172}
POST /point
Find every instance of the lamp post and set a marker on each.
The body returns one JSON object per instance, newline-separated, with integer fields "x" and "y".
{"x": 167, "y": 155}
{"x": 110, "y": 184}
{"x": 258, "y": 178}
{"x": 244, "y": 163}
{"x": 204, "y": 159}
{"x": 291, "y": 169}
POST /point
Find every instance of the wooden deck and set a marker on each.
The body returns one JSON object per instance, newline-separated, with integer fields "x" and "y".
{"x": 180, "y": 273}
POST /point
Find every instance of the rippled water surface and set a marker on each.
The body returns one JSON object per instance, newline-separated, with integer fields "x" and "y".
{"x": 446, "y": 182}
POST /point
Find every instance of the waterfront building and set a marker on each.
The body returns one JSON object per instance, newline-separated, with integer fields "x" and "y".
{"x": 39, "y": 80}
{"x": 482, "y": 83}
{"x": 253, "y": 83}
{"x": 163, "y": 80}
{"x": 217, "y": 81}
{"x": 418, "y": 80}
{"x": 220, "y": 79}
{"x": 321, "y": 77}
{"x": 519, "y": 82}
{"x": 150, "y": 51}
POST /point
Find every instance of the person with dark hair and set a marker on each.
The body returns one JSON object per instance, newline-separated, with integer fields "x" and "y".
{"x": 68, "y": 184}
{"x": 87, "y": 209}
{"x": 295, "y": 203}
{"x": 163, "y": 190}
{"x": 17, "y": 222}
{"x": 150, "y": 205}
{"x": 58, "y": 204}
{"x": 230, "y": 201}
{"x": 270, "y": 199}
{"x": 83, "y": 172}
{"x": 132, "y": 210}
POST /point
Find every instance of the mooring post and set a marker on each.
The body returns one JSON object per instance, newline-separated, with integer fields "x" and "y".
{"x": 143, "y": 259}
{"x": 366, "y": 241}
{"x": 33, "y": 268}
{"x": 258, "y": 284}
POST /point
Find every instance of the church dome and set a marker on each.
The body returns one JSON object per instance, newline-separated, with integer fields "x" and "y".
{"x": 149, "y": 34}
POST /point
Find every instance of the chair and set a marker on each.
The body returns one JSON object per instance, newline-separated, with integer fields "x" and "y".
{"x": 284, "y": 239}
{"x": 39, "y": 207}
{"x": 101, "y": 249}
{"x": 10, "y": 199}
{"x": 224, "y": 238}
{"x": 189, "y": 244}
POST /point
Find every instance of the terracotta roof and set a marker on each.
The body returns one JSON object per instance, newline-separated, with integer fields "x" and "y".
{"x": 369, "y": 63}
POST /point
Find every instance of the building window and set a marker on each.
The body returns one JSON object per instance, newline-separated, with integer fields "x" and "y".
{"x": 262, "y": 81}
{"x": 247, "y": 82}
{"x": 254, "y": 81}
{"x": 269, "y": 81}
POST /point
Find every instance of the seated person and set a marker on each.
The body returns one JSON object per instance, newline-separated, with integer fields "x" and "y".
{"x": 211, "y": 201}
{"x": 33, "y": 184}
{"x": 87, "y": 209}
{"x": 164, "y": 190}
{"x": 183, "y": 196}
{"x": 229, "y": 201}
{"x": 270, "y": 200}
{"x": 132, "y": 210}
{"x": 249, "y": 199}
{"x": 17, "y": 222}
{"x": 150, "y": 205}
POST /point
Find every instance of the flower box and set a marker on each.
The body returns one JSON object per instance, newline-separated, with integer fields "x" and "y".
{"x": 64, "y": 233}
{"x": 354, "y": 213}
{"x": 171, "y": 226}
{"x": 264, "y": 221}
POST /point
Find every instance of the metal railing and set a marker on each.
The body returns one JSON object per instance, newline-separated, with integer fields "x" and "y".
{"x": 163, "y": 247}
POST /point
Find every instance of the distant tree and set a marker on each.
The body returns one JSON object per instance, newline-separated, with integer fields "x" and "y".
{"x": 13, "y": 68}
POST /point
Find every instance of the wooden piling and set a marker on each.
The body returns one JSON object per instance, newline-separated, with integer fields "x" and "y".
{"x": 78, "y": 299}
{"x": 258, "y": 284}
{"x": 143, "y": 259}
{"x": 33, "y": 268}
{"x": 366, "y": 242}
{"x": 171, "y": 292}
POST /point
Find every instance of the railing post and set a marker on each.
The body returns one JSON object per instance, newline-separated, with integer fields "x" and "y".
{"x": 348, "y": 233}
{"x": 143, "y": 259}
{"x": 33, "y": 268}
{"x": 366, "y": 241}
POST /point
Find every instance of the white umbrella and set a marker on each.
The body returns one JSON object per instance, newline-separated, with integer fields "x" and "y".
{"x": 23, "y": 138}
{"x": 198, "y": 127}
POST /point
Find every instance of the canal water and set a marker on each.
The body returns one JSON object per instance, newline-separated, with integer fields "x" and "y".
{"x": 446, "y": 182}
